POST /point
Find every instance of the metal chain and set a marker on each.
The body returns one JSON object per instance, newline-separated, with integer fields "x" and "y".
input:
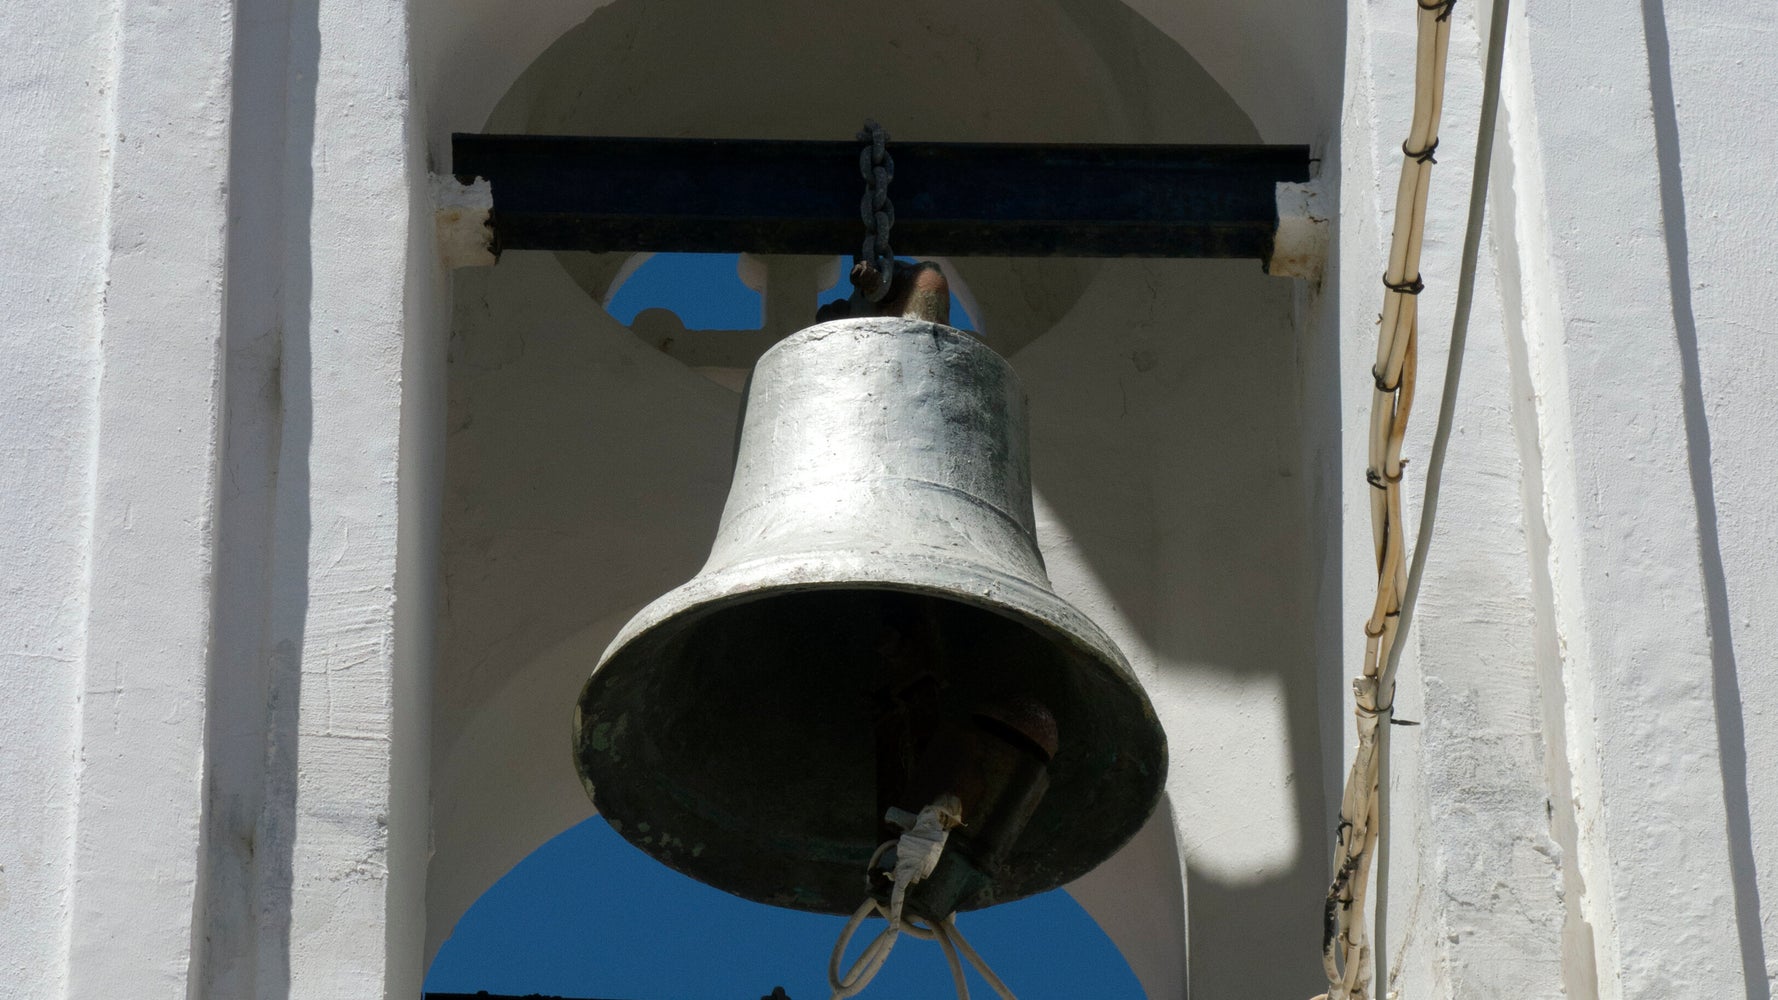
{"x": 875, "y": 270}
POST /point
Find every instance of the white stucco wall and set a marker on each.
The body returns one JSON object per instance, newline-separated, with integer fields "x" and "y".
{"x": 158, "y": 329}
{"x": 1578, "y": 798}
{"x": 1709, "y": 69}
{"x": 137, "y": 871}
{"x": 54, "y": 125}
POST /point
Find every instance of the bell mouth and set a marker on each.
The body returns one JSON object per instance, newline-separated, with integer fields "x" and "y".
{"x": 734, "y": 729}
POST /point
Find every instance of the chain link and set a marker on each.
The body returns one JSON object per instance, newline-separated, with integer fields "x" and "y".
{"x": 876, "y": 261}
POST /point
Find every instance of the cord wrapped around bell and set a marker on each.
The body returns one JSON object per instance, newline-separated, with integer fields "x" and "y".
{"x": 874, "y": 583}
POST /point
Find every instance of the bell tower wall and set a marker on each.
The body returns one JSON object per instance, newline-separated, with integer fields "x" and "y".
{"x": 309, "y": 539}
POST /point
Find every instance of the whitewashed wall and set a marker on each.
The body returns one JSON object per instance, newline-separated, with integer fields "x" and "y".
{"x": 55, "y": 127}
{"x": 216, "y": 442}
{"x": 223, "y": 425}
{"x": 1585, "y": 807}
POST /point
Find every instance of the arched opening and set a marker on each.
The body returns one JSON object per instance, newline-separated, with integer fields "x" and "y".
{"x": 704, "y": 291}
{"x": 727, "y": 291}
{"x": 586, "y": 467}
{"x": 714, "y": 312}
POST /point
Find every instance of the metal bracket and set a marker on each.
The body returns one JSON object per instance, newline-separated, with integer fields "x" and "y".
{"x": 462, "y": 214}
{"x": 1299, "y": 247}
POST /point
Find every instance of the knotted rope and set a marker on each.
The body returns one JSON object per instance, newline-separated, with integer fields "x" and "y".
{"x": 917, "y": 853}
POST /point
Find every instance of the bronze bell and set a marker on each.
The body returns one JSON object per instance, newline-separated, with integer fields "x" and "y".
{"x": 874, "y": 628}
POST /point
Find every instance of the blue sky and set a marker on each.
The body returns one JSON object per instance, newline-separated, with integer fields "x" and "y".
{"x": 705, "y": 289}
{"x": 587, "y": 915}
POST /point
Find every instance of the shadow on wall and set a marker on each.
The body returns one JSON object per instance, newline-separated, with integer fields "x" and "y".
{"x": 262, "y": 515}
{"x": 585, "y": 474}
{"x": 1168, "y": 445}
{"x": 1725, "y": 676}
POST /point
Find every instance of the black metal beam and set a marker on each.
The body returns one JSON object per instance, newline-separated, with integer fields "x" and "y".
{"x": 951, "y": 199}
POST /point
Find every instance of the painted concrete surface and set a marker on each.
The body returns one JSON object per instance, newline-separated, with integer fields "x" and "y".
{"x": 1706, "y": 71}
{"x": 299, "y": 533}
{"x": 56, "y": 128}
{"x": 135, "y": 846}
{"x": 137, "y": 876}
{"x": 1585, "y": 796}
{"x": 1625, "y": 527}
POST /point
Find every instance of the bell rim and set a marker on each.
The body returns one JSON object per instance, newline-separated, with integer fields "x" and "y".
{"x": 1027, "y": 603}
{"x": 885, "y": 568}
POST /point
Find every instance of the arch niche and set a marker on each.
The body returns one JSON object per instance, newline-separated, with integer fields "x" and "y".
{"x": 586, "y": 470}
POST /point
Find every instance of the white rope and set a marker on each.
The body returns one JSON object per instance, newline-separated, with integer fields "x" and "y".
{"x": 949, "y": 933}
{"x": 917, "y": 854}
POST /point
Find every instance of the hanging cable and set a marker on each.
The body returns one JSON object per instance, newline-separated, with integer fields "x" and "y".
{"x": 1441, "y": 437}
{"x": 1364, "y": 823}
{"x": 1346, "y": 949}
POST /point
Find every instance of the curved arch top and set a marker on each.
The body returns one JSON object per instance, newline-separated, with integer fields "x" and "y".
{"x": 1279, "y": 60}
